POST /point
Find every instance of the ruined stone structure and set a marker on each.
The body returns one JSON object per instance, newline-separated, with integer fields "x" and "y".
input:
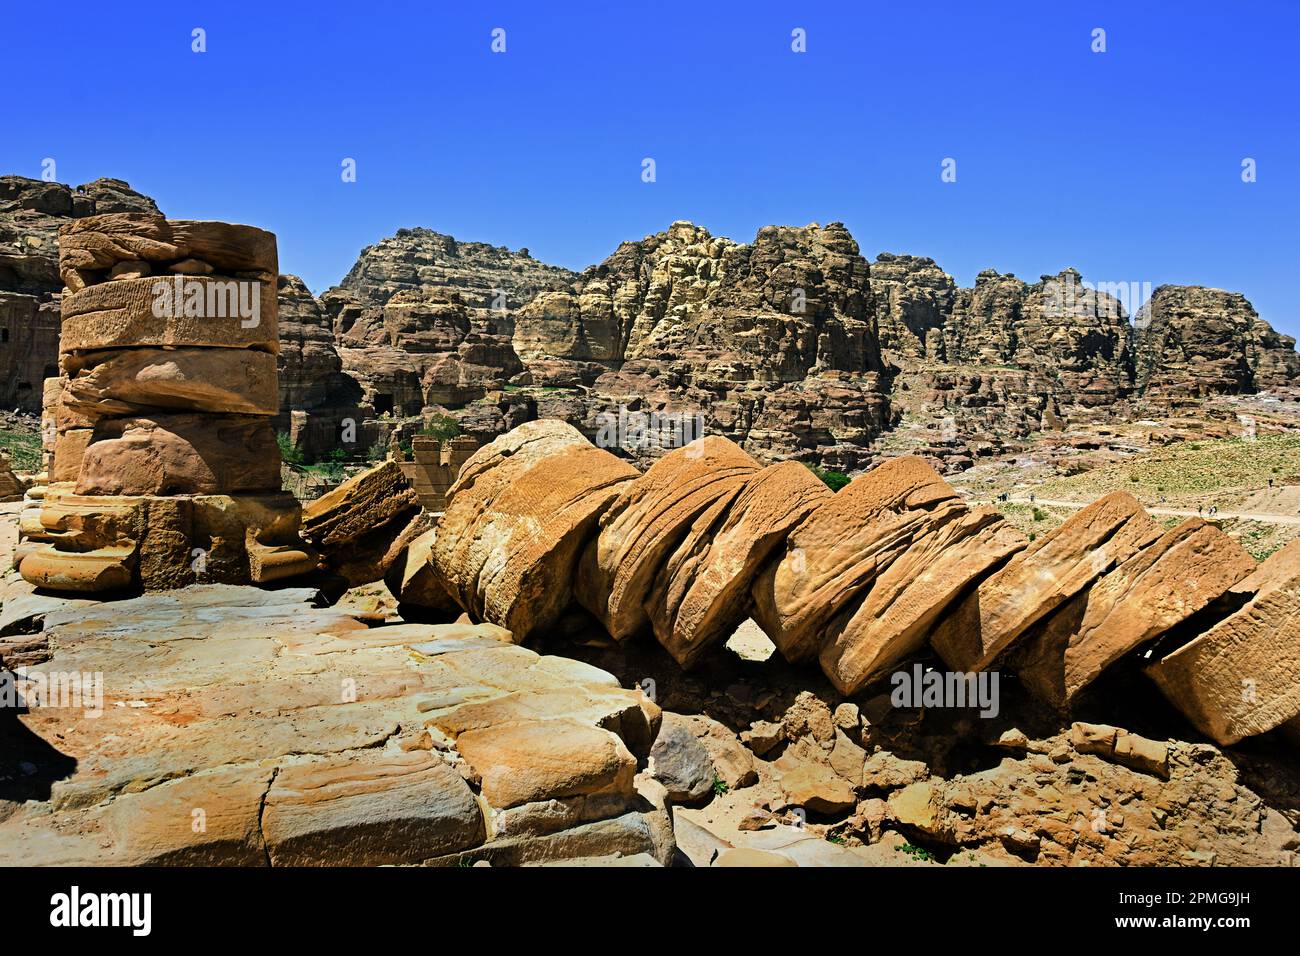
{"x": 435, "y": 467}
{"x": 867, "y": 578}
{"x": 165, "y": 469}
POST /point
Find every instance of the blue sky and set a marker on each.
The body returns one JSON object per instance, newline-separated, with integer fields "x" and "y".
{"x": 1125, "y": 164}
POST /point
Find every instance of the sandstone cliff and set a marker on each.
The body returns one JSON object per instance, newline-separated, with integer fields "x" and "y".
{"x": 793, "y": 345}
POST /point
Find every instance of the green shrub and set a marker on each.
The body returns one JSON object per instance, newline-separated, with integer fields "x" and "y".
{"x": 291, "y": 454}
{"x": 834, "y": 480}
{"x": 441, "y": 427}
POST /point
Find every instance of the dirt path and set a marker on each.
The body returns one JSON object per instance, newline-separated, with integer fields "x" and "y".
{"x": 1183, "y": 512}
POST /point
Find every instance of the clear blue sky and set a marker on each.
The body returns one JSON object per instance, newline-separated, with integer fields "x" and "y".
{"x": 1125, "y": 164}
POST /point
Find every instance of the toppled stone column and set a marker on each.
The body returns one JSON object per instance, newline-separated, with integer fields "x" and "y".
{"x": 165, "y": 468}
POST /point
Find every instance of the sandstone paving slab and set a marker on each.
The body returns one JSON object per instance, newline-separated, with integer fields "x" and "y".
{"x": 297, "y": 735}
{"x": 369, "y": 809}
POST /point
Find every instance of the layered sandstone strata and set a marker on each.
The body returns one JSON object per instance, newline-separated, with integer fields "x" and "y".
{"x": 165, "y": 467}
{"x": 892, "y": 567}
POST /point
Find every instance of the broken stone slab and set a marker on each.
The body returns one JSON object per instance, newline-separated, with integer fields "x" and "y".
{"x": 227, "y": 313}
{"x": 371, "y": 557}
{"x": 749, "y": 857}
{"x": 645, "y": 524}
{"x": 363, "y": 503}
{"x": 516, "y": 520}
{"x": 801, "y": 847}
{"x": 1041, "y": 578}
{"x": 1117, "y": 744}
{"x": 1242, "y": 676}
{"x": 413, "y": 580}
{"x": 1187, "y": 569}
{"x": 208, "y": 819}
{"x": 835, "y": 554}
{"x": 180, "y": 454}
{"x": 371, "y": 808}
{"x": 23, "y": 608}
{"x": 529, "y": 761}
{"x": 127, "y": 382}
{"x": 636, "y": 832}
{"x": 702, "y": 593}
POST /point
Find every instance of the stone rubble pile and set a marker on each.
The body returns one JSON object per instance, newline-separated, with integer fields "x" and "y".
{"x": 540, "y": 520}
{"x": 165, "y": 469}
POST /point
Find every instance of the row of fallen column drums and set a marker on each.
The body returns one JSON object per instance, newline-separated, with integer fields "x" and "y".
{"x": 866, "y": 578}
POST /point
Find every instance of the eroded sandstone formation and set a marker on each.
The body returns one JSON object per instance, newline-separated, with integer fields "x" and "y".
{"x": 866, "y": 578}
{"x": 165, "y": 468}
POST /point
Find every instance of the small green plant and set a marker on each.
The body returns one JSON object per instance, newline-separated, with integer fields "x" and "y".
{"x": 23, "y": 449}
{"x": 1040, "y": 514}
{"x": 377, "y": 452}
{"x": 916, "y": 852}
{"x": 441, "y": 427}
{"x": 719, "y": 786}
{"x": 290, "y": 453}
{"x": 836, "y": 839}
{"x": 834, "y": 480}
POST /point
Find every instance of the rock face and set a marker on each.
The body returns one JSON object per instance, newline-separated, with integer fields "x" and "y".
{"x": 794, "y": 346}
{"x": 315, "y": 393}
{"x": 165, "y": 466}
{"x": 31, "y": 212}
{"x": 914, "y": 299}
{"x": 1194, "y": 342}
{"x": 775, "y": 339}
{"x": 422, "y": 319}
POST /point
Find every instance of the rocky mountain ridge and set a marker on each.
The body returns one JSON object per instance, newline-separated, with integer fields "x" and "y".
{"x": 795, "y": 345}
